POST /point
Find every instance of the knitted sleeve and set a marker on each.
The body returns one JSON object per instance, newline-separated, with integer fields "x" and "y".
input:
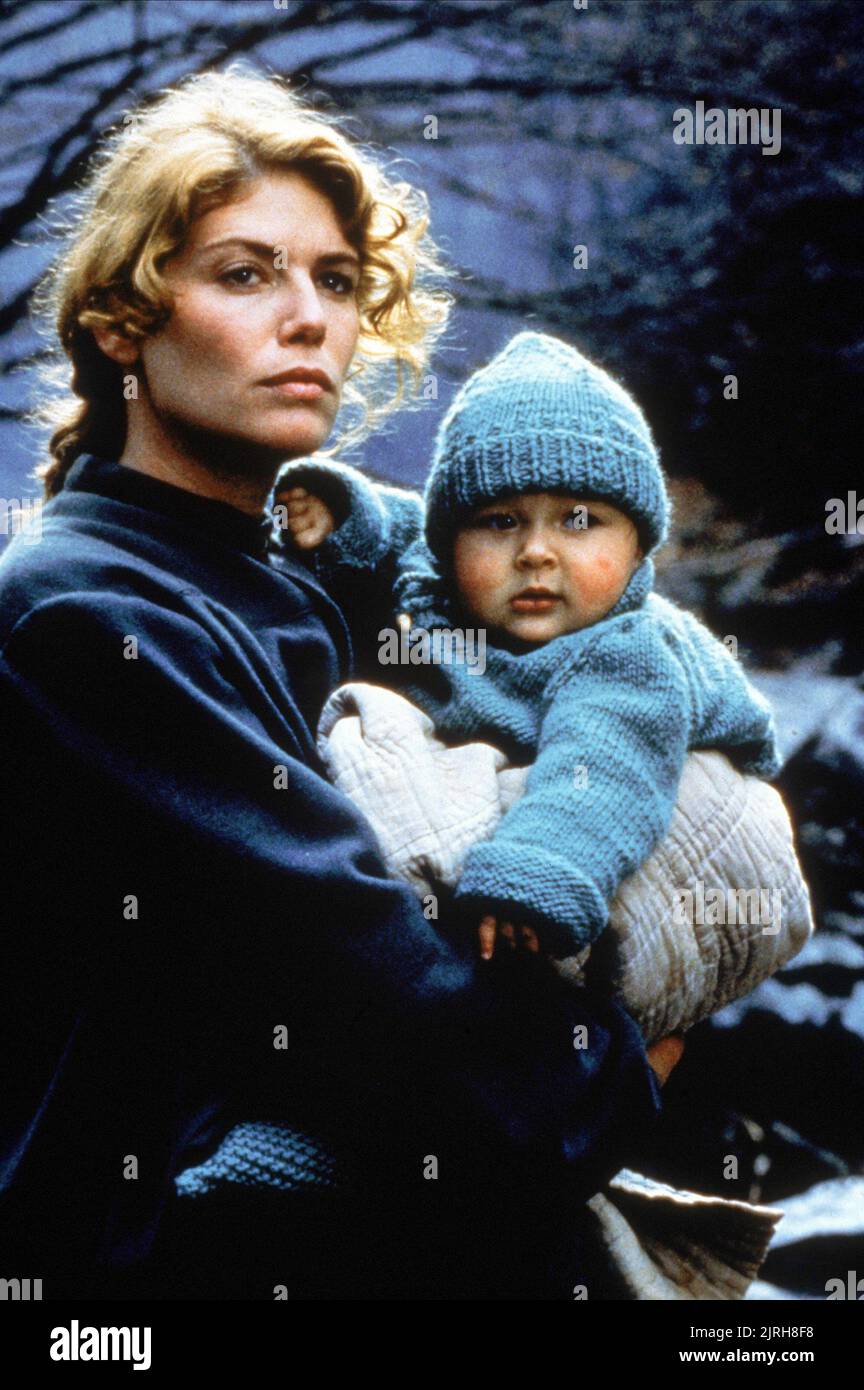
{"x": 375, "y": 523}
{"x": 600, "y": 794}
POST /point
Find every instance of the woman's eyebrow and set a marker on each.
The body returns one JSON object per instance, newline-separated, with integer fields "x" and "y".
{"x": 265, "y": 249}
{"x": 340, "y": 258}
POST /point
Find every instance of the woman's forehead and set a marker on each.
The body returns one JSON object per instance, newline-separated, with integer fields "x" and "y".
{"x": 272, "y": 209}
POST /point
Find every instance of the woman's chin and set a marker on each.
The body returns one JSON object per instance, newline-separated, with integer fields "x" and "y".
{"x": 303, "y": 438}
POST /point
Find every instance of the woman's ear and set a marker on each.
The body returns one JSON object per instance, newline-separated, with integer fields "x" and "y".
{"x": 117, "y": 346}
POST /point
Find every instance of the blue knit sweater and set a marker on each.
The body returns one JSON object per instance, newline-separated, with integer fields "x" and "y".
{"x": 606, "y": 715}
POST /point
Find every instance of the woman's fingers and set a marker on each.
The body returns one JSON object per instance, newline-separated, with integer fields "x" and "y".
{"x": 666, "y": 1054}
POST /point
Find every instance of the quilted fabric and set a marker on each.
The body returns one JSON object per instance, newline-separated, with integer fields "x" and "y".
{"x": 428, "y": 804}
{"x": 668, "y": 1244}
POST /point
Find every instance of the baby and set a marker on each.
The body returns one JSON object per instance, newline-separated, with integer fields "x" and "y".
{"x": 542, "y": 509}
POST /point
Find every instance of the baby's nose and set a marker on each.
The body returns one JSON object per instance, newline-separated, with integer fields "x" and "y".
{"x": 535, "y": 547}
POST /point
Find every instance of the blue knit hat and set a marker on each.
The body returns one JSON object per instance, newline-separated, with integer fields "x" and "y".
{"x": 540, "y": 416}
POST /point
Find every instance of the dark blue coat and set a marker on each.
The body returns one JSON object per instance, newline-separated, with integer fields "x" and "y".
{"x": 179, "y": 881}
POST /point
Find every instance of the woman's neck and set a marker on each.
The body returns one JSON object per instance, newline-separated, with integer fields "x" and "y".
{"x": 227, "y": 471}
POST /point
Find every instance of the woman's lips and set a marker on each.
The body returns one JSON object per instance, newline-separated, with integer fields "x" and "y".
{"x": 298, "y": 390}
{"x": 300, "y": 383}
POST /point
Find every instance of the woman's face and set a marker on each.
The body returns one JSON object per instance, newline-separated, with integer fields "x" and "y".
{"x": 263, "y": 287}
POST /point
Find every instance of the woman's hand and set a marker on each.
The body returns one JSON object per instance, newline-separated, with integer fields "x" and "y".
{"x": 515, "y": 936}
{"x": 666, "y": 1054}
{"x": 308, "y": 519}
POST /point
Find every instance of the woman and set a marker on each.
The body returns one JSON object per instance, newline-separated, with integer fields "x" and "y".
{"x": 208, "y": 934}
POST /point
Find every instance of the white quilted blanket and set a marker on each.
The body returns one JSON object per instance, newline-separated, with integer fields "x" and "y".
{"x": 428, "y": 804}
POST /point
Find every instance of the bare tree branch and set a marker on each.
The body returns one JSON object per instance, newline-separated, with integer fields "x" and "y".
{"x": 44, "y": 30}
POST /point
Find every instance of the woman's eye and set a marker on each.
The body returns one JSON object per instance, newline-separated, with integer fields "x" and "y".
{"x": 335, "y": 280}
{"x": 239, "y": 275}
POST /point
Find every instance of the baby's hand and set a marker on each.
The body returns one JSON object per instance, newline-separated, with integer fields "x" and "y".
{"x": 518, "y": 937}
{"x": 308, "y": 519}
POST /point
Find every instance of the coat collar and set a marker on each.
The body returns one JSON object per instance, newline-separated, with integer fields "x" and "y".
{"x": 206, "y": 514}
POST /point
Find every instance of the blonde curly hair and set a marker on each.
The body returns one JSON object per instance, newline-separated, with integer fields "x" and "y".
{"x": 195, "y": 148}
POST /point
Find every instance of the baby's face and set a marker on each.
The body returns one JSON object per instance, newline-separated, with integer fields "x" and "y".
{"x": 577, "y": 554}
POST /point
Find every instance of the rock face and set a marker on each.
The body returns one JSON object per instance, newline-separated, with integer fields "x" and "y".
{"x": 776, "y": 1080}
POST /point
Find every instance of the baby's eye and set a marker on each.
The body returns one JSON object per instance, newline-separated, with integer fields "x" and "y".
{"x": 581, "y": 519}
{"x": 238, "y": 274}
{"x": 496, "y": 521}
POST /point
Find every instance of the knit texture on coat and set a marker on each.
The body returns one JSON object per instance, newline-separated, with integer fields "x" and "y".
{"x": 260, "y": 1155}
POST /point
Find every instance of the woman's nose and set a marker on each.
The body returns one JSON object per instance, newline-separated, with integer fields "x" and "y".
{"x": 301, "y": 311}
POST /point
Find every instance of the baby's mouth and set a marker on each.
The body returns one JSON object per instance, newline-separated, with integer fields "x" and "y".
{"x": 534, "y": 601}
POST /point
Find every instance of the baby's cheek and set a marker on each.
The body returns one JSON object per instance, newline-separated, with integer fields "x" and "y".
{"x": 477, "y": 575}
{"x": 602, "y": 580}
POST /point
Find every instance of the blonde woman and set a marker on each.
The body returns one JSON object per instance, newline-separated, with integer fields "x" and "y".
{"x": 204, "y": 931}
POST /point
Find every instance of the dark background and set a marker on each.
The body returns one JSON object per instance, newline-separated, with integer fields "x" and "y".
{"x": 554, "y": 129}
